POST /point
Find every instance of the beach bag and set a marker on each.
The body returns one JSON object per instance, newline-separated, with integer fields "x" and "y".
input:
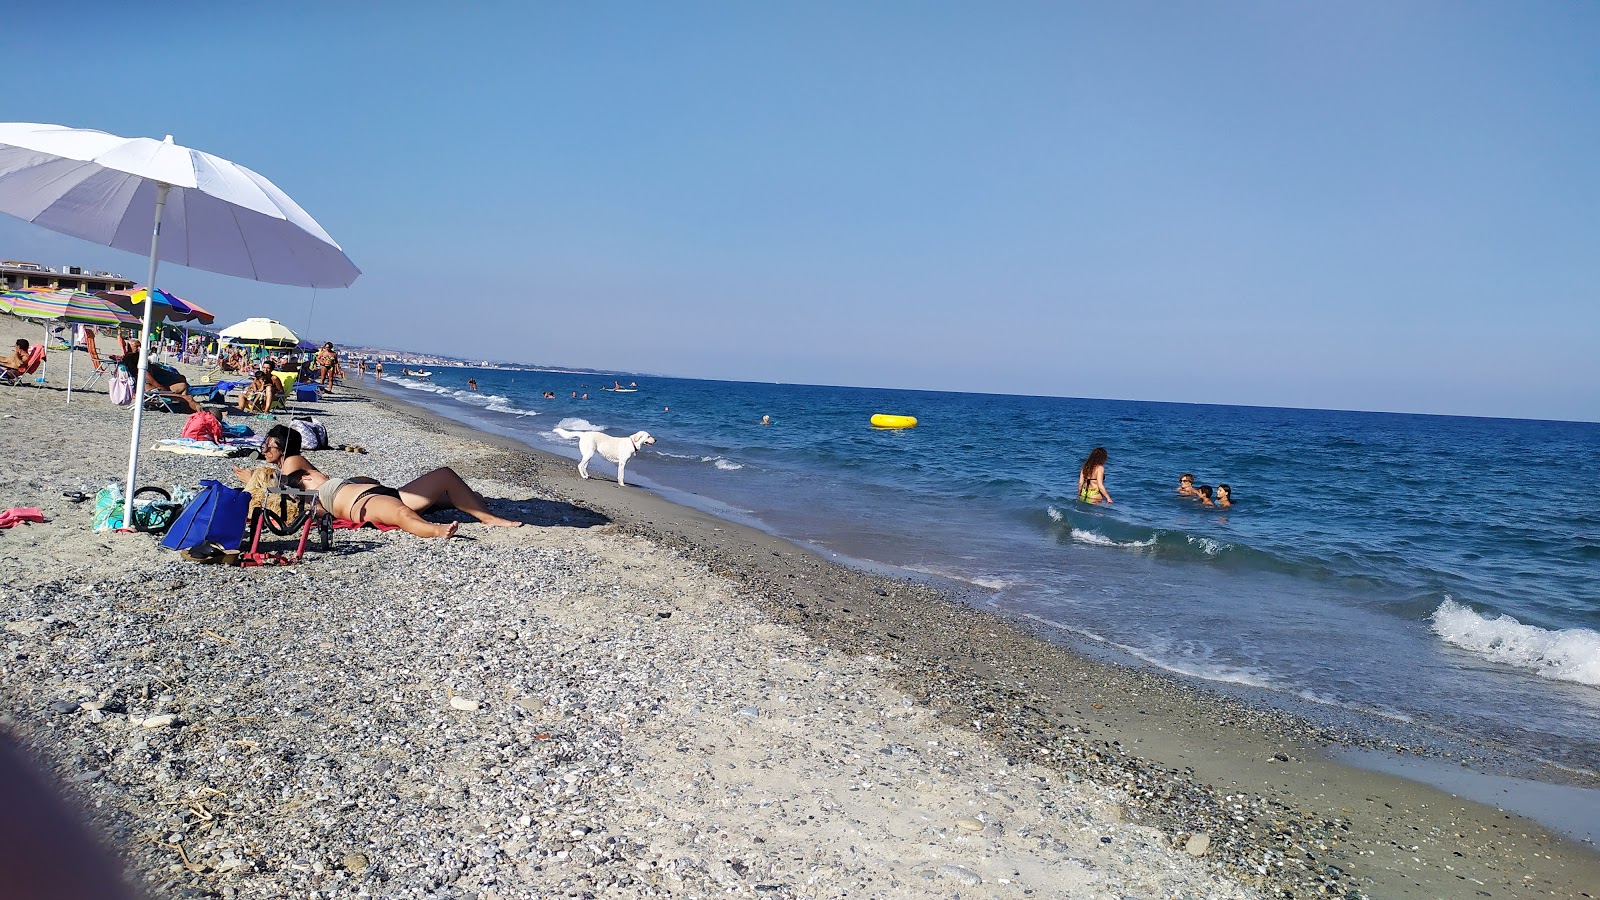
{"x": 216, "y": 515}
{"x": 313, "y": 436}
{"x": 203, "y": 426}
{"x": 120, "y": 387}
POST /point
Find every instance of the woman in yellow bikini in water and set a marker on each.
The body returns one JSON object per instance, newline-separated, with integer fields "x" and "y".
{"x": 1092, "y": 478}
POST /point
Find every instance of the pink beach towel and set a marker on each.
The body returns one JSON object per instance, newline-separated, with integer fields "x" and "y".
{"x": 19, "y": 514}
{"x": 346, "y": 523}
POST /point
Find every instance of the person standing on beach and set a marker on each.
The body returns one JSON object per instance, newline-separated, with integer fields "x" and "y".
{"x": 1092, "y": 478}
{"x": 327, "y": 361}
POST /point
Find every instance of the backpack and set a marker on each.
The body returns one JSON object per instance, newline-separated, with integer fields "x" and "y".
{"x": 120, "y": 387}
{"x": 217, "y": 514}
{"x": 313, "y": 436}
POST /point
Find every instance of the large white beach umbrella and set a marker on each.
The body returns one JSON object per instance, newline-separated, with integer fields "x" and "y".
{"x": 216, "y": 215}
{"x": 265, "y": 332}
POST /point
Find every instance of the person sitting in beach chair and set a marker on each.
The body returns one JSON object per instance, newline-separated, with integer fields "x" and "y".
{"x": 257, "y": 396}
{"x": 17, "y": 360}
{"x": 22, "y": 363}
{"x": 164, "y": 383}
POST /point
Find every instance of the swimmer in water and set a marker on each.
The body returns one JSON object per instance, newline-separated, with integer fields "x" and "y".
{"x": 1186, "y": 485}
{"x": 766, "y": 420}
{"x": 1224, "y": 496}
{"x": 1092, "y": 478}
{"x": 472, "y": 384}
{"x": 1203, "y": 491}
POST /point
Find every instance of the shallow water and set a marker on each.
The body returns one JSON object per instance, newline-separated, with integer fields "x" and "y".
{"x": 1441, "y": 571}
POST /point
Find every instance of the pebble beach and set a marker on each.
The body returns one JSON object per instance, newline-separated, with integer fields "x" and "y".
{"x": 628, "y": 698}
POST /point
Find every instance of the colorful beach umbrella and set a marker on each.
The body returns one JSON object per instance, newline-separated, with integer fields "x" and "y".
{"x": 261, "y": 332}
{"x": 66, "y": 307}
{"x": 168, "y": 308}
{"x": 120, "y": 192}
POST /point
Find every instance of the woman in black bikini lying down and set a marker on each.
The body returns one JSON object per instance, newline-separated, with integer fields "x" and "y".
{"x": 365, "y": 500}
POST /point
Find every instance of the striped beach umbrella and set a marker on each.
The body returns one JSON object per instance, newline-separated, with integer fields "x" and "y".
{"x": 168, "y": 308}
{"x": 72, "y": 307}
{"x": 68, "y": 308}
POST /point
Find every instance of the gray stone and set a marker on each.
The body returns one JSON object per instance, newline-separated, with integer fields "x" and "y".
{"x": 1198, "y": 844}
{"x": 962, "y": 874}
{"x": 464, "y": 704}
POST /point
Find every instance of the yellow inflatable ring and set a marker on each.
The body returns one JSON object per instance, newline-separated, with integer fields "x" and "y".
{"x": 884, "y": 421}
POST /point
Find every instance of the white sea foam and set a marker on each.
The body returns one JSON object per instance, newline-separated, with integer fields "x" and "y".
{"x": 726, "y": 465}
{"x": 573, "y": 423}
{"x": 1100, "y": 540}
{"x": 984, "y": 581}
{"x": 415, "y": 385}
{"x": 1054, "y": 514}
{"x": 1572, "y": 654}
{"x": 1209, "y": 546}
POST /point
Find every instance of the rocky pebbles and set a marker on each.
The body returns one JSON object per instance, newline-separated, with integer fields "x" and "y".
{"x": 566, "y": 710}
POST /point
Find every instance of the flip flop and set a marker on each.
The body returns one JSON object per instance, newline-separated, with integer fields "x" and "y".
{"x": 76, "y": 496}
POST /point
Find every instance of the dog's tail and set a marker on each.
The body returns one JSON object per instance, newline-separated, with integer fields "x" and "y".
{"x": 569, "y": 435}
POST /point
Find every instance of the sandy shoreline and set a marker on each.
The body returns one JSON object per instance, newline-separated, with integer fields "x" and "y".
{"x": 669, "y": 704}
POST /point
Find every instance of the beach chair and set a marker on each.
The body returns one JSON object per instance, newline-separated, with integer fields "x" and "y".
{"x": 35, "y": 360}
{"x": 101, "y": 368}
{"x": 286, "y": 381}
{"x": 276, "y": 517}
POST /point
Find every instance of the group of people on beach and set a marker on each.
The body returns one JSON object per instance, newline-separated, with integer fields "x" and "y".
{"x": 1092, "y": 484}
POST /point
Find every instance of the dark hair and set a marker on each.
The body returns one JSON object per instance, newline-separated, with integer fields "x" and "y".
{"x": 1186, "y": 475}
{"x": 287, "y": 438}
{"x": 1223, "y": 487}
{"x": 1097, "y": 457}
{"x": 1203, "y": 490}
{"x": 22, "y": 344}
{"x": 130, "y": 361}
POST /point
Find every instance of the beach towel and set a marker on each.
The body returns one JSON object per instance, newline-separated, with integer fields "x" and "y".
{"x": 19, "y": 514}
{"x": 195, "y": 448}
{"x": 352, "y": 526}
{"x": 203, "y": 426}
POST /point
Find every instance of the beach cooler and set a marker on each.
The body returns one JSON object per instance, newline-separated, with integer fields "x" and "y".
{"x": 308, "y": 392}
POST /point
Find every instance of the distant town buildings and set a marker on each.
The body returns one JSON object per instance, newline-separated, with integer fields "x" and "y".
{"x": 16, "y": 274}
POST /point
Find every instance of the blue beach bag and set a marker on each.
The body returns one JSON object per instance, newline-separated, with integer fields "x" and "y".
{"x": 217, "y": 514}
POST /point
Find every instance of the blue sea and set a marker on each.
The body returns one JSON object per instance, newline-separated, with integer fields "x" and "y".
{"x": 1437, "y": 572}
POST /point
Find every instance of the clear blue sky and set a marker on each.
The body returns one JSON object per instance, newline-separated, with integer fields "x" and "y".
{"x": 1370, "y": 205}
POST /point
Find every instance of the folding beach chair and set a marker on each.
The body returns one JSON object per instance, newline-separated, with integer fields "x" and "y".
{"x": 101, "y": 368}
{"x": 275, "y": 516}
{"x": 35, "y": 360}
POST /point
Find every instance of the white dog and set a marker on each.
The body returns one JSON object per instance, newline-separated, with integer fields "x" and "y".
{"x": 616, "y": 449}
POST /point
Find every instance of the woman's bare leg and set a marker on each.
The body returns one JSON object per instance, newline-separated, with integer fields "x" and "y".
{"x": 443, "y": 487}
{"x": 389, "y": 511}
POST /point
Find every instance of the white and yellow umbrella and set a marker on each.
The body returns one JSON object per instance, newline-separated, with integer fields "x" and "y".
{"x": 261, "y": 332}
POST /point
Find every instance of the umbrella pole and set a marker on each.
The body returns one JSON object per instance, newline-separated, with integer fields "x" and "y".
{"x": 144, "y": 361}
{"x": 72, "y": 353}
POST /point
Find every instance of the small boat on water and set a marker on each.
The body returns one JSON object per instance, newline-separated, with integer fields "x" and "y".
{"x": 422, "y": 374}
